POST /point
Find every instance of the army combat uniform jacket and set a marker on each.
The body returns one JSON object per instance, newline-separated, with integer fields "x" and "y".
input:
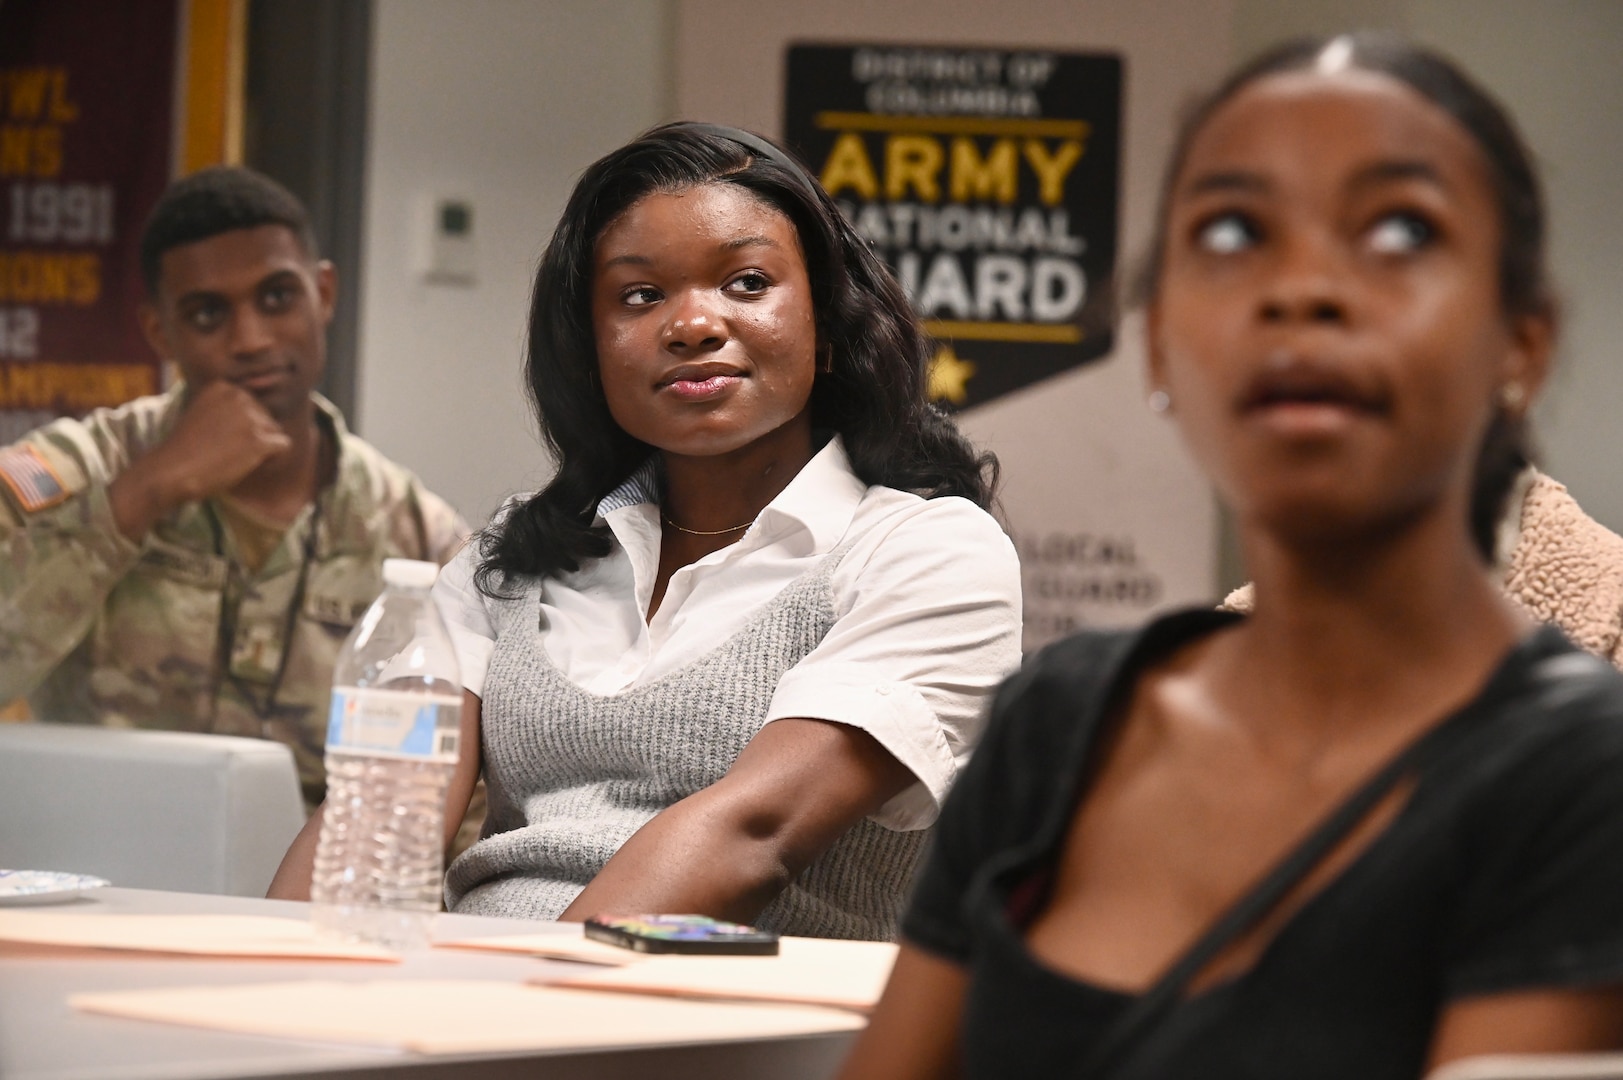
{"x": 173, "y": 632}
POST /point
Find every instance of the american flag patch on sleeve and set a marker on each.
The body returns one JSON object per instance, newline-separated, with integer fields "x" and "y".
{"x": 32, "y": 481}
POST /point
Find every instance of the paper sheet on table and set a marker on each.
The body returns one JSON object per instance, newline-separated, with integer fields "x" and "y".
{"x": 1573, "y": 1066}
{"x": 199, "y": 935}
{"x": 560, "y": 946}
{"x": 462, "y": 1016}
{"x": 808, "y": 971}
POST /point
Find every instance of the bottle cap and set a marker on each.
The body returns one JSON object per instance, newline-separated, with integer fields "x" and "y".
{"x": 409, "y": 573}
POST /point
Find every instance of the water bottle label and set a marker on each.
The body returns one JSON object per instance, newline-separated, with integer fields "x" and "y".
{"x": 393, "y": 723}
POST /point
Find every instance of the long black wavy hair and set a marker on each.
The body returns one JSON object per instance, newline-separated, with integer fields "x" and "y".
{"x": 868, "y": 335}
{"x": 1524, "y": 282}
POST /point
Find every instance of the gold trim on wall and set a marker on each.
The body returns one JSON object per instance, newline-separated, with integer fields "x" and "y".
{"x": 213, "y": 43}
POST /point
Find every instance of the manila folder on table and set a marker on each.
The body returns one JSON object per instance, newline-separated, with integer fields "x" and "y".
{"x": 196, "y": 935}
{"x": 806, "y": 971}
{"x": 462, "y": 1016}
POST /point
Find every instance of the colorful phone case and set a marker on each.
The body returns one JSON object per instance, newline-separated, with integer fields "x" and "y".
{"x": 681, "y": 934}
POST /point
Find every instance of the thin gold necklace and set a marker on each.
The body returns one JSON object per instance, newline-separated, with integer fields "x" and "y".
{"x": 703, "y": 532}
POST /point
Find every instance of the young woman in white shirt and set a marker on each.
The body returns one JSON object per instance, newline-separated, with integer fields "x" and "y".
{"x": 730, "y": 659}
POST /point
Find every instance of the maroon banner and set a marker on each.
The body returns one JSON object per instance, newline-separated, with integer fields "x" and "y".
{"x": 86, "y": 106}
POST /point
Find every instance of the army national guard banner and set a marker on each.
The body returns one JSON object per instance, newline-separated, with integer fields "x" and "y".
{"x": 989, "y": 177}
{"x": 86, "y": 100}
{"x": 988, "y": 180}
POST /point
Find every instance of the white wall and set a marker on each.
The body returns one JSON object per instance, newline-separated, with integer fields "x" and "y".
{"x": 505, "y": 101}
{"x": 502, "y": 102}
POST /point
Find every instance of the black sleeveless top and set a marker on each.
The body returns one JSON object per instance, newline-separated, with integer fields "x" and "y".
{"x": 1503, "y": 871}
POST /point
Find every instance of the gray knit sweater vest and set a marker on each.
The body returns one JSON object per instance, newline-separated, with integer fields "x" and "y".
{"x": 572, "y": 774}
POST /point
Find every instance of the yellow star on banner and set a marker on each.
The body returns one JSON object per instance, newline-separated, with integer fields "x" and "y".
{"x": 949, "y": 376}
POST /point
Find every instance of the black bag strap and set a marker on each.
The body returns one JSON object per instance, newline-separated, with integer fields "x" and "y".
{"x": 1141, "y": 1017}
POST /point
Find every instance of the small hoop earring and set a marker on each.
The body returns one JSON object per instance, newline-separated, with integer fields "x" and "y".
{"x": 1159, "y": 401}
{"x": 825, "y": 360}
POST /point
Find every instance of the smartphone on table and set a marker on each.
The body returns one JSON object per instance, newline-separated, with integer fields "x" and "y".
{"x": 681, "y": 934}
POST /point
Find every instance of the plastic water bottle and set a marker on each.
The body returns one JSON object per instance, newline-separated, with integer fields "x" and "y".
{"x": 391, "y": 749}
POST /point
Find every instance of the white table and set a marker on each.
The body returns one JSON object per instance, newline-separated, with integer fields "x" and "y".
{"x": 41, "y": 1038}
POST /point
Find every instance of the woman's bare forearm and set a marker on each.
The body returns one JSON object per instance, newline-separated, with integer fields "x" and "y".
{"x": 693, "y": 858}
{"x": 292, "y": 880}
{"x": 728, "y": 850}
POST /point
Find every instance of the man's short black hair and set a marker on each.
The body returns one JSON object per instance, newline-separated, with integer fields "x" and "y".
{"x": 214, "y": 201}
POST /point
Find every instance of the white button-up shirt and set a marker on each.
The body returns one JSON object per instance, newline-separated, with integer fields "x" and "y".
{"x": 926, "y": 604}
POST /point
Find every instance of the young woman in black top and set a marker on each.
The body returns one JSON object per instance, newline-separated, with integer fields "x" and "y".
{"x": 1348, "y": 318}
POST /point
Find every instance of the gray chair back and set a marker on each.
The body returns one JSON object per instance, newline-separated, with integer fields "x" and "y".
{"x": 147, "y": 809}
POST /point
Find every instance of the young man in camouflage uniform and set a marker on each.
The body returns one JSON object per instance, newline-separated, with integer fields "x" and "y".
{"x": 193, "y": 561}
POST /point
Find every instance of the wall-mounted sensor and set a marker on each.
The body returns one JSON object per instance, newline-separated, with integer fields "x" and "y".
{"x": 446, "y": 252}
